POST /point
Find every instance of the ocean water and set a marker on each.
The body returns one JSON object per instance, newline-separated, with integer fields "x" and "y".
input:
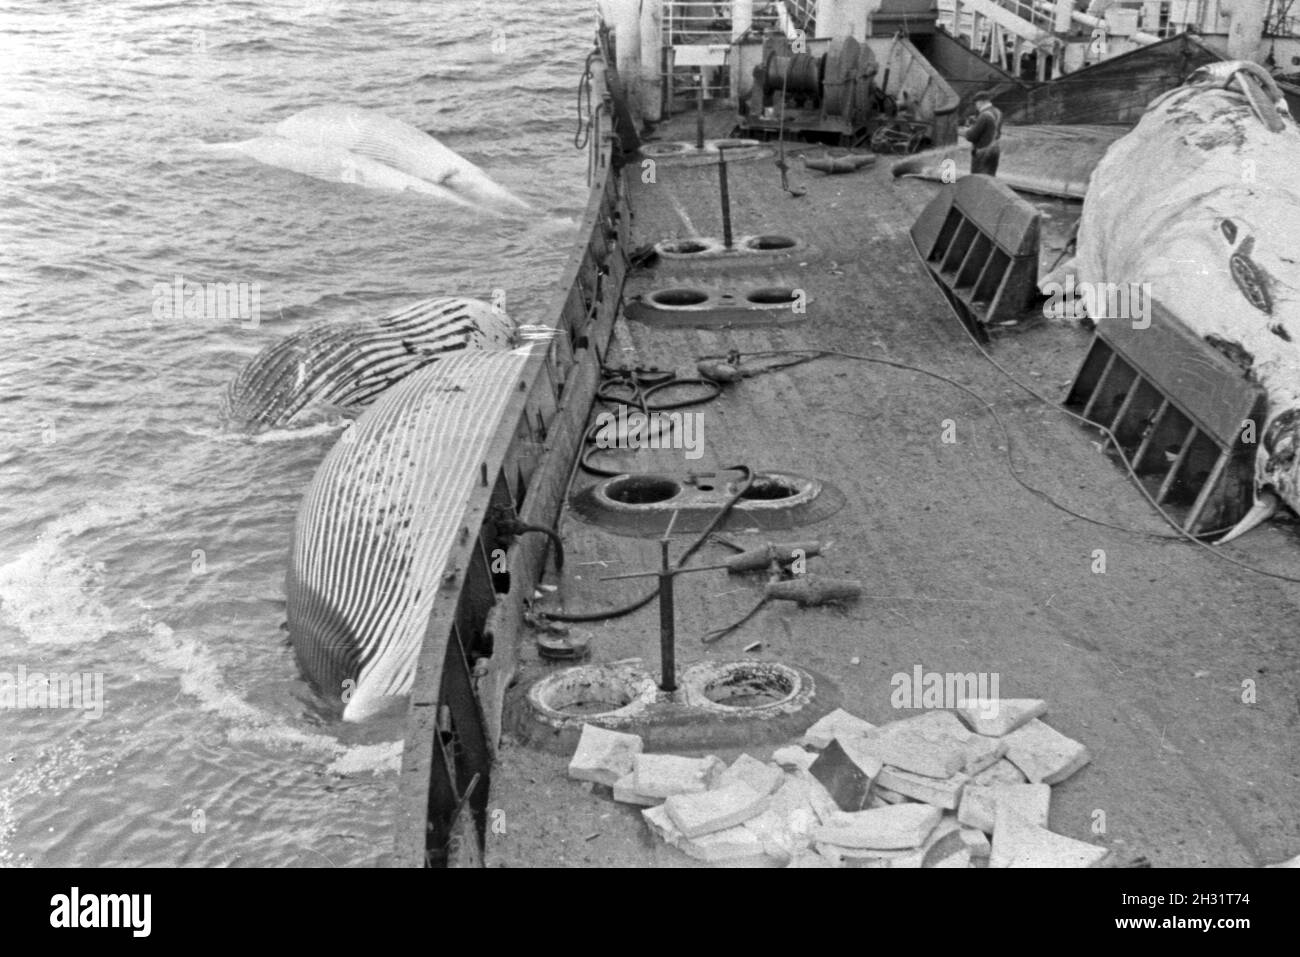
{"x": 141, "y": 543}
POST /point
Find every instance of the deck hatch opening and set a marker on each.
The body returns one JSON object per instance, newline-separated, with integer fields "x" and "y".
{"x": 642, "y": 489}
{"x": 586, "y": 693}
{"x": 680, "y": 297}
{"x": 771, "y": 241}
{"x": 717, "y": 704}
{"x": 697, "y": 248}
{"x": 743, "y": 688}
{"x": 746, "y": 687}
{"x": 772, "y": 295}
{"x": 664, "y": 149}
{"x": 769, "y": 488}
{"x": 594, "y": 698}
{"x": 645, "y": 504}
{"x": 686, "y": 246}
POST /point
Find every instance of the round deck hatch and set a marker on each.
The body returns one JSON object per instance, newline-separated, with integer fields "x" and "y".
{"x": 593, "y": 691}
{"x": 641, "y": 489}
{"x": 770, "y": 488}
{"x": 771, "y": 241}
{"x": 685, "y": 247}
{"x": 772, "y": 295}
{"x": 655, "y": 150}
{"x": 678, "y": 297}
{"x": 747, "y": 687}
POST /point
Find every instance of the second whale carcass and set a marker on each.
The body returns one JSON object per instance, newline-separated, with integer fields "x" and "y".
{"x": 378, "y": 522}
{"x": 346, "y": 365}
{"x": 364, "y": 148}
{"x": 1200, "y": 200}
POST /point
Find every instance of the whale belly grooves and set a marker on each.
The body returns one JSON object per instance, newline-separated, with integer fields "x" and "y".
{"x": 378, "y": 522}
{"x": 347, "y": 364}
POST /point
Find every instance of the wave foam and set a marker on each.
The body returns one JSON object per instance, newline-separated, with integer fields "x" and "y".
{"x": 201, "y": 679}
{"x": 51, "y": 592}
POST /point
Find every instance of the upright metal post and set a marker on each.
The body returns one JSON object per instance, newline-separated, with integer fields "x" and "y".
{"x": 726, "y": 196}
{"x": 699, "y": 112}
{"x": 667, "y": 639}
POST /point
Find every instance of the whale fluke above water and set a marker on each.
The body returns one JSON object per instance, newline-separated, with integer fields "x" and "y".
{"x": 347, "y": 144}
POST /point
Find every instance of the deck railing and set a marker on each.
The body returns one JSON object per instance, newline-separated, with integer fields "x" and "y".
{"x": 1157, "y": 18}
{"x": 696, "y": 44}
{"x": 687, "y": 22}
{"x": 696, "y": 40}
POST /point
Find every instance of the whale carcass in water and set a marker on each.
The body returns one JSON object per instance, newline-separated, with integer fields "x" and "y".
{"x": 346, "y": 365}
{"x": 1201, "y": 201}
{"x": 350, "y": 145}
{"x": 378, "y": 522}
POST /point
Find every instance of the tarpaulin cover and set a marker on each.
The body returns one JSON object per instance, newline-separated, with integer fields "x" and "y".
{"x": 1113, "y": 91}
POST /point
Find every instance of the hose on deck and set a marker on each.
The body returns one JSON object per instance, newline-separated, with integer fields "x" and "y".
{"x": 516, "y": 527}
{"x": 695, "y": 546}
{"x": 798, "y": 356}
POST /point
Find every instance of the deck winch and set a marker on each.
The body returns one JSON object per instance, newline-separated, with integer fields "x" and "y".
{"x": 827, "y": 94}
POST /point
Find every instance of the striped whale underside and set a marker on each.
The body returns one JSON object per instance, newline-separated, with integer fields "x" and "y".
{"x": 347, "y": 364}
{"x": 379, "y": 520}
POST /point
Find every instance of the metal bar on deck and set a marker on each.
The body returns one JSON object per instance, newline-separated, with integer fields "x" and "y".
{"x": 1177, "y": 467}
{"x": 667, "y": 638}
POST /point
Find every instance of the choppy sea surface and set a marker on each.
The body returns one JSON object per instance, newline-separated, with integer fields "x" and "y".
{"x": 140, "y": 541}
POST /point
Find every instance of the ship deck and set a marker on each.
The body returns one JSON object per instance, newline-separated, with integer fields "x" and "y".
{"x": 964, "y": 569}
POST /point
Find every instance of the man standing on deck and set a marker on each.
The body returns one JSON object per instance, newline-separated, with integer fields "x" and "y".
{"x": 984, "y": 135}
